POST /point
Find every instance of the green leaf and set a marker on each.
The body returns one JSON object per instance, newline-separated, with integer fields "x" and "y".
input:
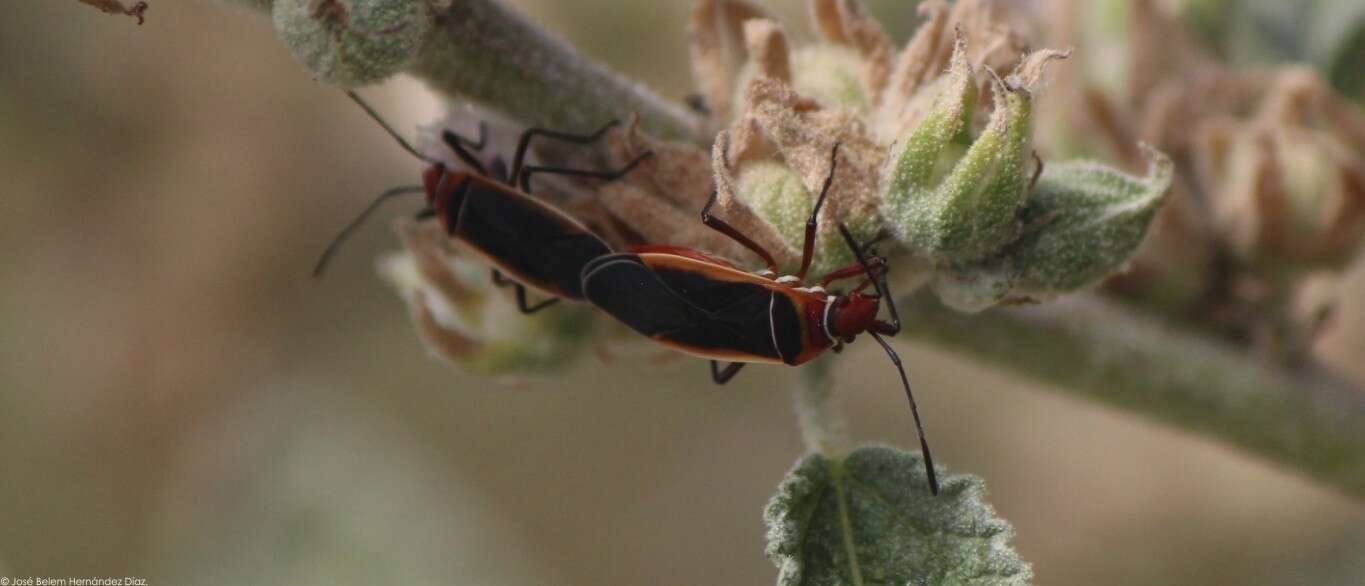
{"x": 1089, "y": 220}
{"x": 869, "y": 519}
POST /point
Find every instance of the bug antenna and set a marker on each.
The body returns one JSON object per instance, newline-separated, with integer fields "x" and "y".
{"x": 356, "y": 223}
{"x": 914, "y": 412}
{"x": 389, "y": 129}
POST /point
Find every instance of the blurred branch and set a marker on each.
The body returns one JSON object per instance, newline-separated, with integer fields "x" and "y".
{"x": 491, "y": 54}
{"x": 1307, "y": 420}
{"x": 117, "y": 7}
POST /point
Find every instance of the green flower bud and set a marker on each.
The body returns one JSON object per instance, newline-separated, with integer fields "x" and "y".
{"x": 954, "y": 205}
{"x": 830, "y": 74}
{"x": 935, "y": 145}
{"x": 776, "y": 194}
{"x": 352, "y": 42}
{"x": 1085, "y": 221}
{"x": 978, "y": 204}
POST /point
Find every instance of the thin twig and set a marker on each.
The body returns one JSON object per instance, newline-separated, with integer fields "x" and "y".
{"x": 117, "y": 7}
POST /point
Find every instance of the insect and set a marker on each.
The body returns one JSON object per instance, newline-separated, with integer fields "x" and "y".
{"x": 529, "y": 243}
{"x": 707, "y": 307}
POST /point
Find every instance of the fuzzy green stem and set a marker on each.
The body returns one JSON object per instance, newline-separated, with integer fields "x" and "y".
{"x": 1308, "y": 420}
{"x": 822, "y": 425}
{"x": 492, "y": 54}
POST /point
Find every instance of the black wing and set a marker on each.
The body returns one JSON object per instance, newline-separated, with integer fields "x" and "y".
{"x": 536, "y": 243}
{"x": 686, "y": 307}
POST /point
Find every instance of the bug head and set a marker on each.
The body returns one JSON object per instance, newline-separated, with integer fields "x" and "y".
{"x": 445, "y": 191}
{"x": 856, "y": 312}
{"x": 853, "y": 313}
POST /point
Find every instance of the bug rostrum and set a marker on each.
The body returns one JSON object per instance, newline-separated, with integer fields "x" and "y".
{"x": 702, "y": 305}
{"x": 489, "y": 209}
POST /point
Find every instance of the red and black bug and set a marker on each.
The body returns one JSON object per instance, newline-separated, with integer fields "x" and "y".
{"x": 532, "y": 242}
{"x": 701, "y": 305}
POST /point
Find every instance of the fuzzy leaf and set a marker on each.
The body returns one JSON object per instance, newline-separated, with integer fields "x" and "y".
{"x": 869, "y": 519}
{"x": 1088, "y": 220}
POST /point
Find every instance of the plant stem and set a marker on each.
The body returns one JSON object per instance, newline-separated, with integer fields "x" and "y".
{"x": 1307, "y": 420}
{"x": 492, "y": 54}
{"x": 822, "y": 425}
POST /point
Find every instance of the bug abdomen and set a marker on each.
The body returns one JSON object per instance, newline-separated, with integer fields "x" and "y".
{"x": 684, "y": 305}
{"x": 533, "y": 242}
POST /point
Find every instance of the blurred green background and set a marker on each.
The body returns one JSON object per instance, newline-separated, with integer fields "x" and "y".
{"x": 180, "y": 401}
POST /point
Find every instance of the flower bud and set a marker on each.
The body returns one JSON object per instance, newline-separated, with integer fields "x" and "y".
{"x": 925, "y": 157}
{"x": 1286, "y": 194}
{"x": 965, "y": 209}
{"x": 1083, "y": 222}
{"x": 352, "y": 42}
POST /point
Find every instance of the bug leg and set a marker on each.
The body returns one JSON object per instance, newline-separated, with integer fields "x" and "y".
{"x": 524, "y": 143}
{"x": 721, "y": 376}
{"x": 526, "y": 172}
{"x": 526, "y": 308}
{"x": 461, "y": 146}
{"x": 1037, "y": 171}
{"x": 697, "y": 103}
{"x": 719, "y": 225}
{"x": 877, "y": 263}
{"x": 498, "y": 169}
{"x": 530, "y": 309}
{"x": 498, "y": 279}
{"x": 808, "y": 246}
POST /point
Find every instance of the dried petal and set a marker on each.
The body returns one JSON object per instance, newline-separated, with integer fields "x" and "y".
{"x": 768, "y": 49}
{"x": 843, "y": 22}
{"x": 716, "y": 33}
